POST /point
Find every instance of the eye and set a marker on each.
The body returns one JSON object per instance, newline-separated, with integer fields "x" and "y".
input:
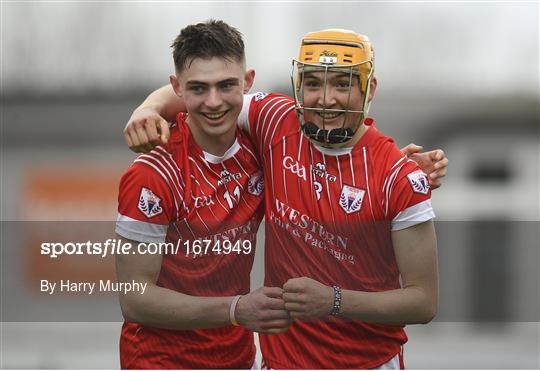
{"x": 312, "y": 84}
{"x": 228, "y": 85}
{"x": 196, "y": 89}
{"x": 343, "y": 85}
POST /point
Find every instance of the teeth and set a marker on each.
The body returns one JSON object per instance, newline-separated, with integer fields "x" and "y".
{"x": 329, "y": 115}
{"x": 214, "y": 116}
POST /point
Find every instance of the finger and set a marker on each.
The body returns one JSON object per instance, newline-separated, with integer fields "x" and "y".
{"x": 152, "y": 132}
{"x": 144, "y": 148}
{"x": 275, "y": 304}
{"x": 441, "y": 164}
{"x": 274, "y": 331}
{"x": 283, "y": 323}
{"x": 136, "y": 145}
{"x": 291, "y": 297}
{"x": 163, "y": 128}
{"x": 437, "y": 174}
{"x": 420, "y": 158}
{"x": 149, "y": 146}
{"x": 145, "y": 145}
{"x": 297, "y": 315}
{"x": 410, "y": 149}
{"x": 294, "y": 307}
{"x": 141, "y": 134}
{"x": 127, "y": 138}
{"x": 434, "y": 184}
{"x": 292, "y": 285}
{"x": 273, "y": 315}
{"x": 436, "y": 155}
{"x": 273, "y": 292}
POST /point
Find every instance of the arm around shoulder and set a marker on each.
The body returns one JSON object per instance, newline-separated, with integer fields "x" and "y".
{"x": 148, "y": 124}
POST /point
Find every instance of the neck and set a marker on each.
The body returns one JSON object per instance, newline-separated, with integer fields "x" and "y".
{"x": 216, "y": 145}
{"x": 356, "y": 137}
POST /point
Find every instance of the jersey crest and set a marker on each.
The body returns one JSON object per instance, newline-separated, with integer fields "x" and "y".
{"x": 260, "y": 96}
{"x": 149, "y": 203}
{"x": 256, "y": 184}
{"x": 351, "y": 199}
{"x": 419, "y": 182}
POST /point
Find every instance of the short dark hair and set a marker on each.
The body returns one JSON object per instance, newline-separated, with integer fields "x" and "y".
{"x": 206, "y": 40}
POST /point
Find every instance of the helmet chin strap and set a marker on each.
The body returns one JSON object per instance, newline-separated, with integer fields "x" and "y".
{"x": 323, "y": 136}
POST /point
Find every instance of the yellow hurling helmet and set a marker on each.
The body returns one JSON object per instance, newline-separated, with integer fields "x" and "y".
{"x": 333, "y": 50}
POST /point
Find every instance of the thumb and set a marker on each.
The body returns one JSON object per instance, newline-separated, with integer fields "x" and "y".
{"x": 411, "y": 149}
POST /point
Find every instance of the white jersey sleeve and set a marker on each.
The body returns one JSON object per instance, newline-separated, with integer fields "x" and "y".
{"x": 243, "y": 117}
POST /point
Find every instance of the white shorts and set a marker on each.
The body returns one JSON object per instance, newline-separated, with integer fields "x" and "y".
{"x": 392, "y": 364}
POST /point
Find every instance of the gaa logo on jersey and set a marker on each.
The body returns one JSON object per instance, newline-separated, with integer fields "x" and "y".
{"x": 351, "y": 199}
{"x": 149, "y": 203}
{"x": 419, "y": 182}
{"x": 294, "y": 167}
{"x": 256, "y": 184}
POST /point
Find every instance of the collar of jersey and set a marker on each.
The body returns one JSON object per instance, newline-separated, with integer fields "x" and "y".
{"x": 333, "y": 151}
{"x": 213, "y": 159}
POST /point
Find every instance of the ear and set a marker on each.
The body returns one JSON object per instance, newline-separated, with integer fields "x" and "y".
{"x": 372, "y": 88}
{"x": 175, "y": 85}
{"x": 249, "y": 78}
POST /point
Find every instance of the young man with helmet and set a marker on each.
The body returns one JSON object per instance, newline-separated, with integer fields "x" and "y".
{"x": 349, "y": 233}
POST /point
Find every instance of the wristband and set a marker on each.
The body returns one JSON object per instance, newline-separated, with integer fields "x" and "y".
{"x": 232, "y": 308}
{"x": 337, "y": 301}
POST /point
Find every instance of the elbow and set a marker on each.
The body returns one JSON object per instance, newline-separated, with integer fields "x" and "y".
{"x": 428, "y": 317}
{"x": 428, "y": 313}
{"x": 129, "y": 309}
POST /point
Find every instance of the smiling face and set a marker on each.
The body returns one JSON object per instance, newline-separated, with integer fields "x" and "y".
{"x": 333, "y": 84}
{"x": 332, "y": 102}
{"x": 332, "y": 99}
{"x": 212, "y": 90}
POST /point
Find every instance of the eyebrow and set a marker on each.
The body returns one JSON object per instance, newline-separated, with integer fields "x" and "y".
{"x": 229, "y": 80}
{"x": 312, "y": 75}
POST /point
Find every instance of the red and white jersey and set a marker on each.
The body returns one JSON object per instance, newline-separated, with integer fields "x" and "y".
{"x": 329, "y": 216}
{"x": 180, "y": 194}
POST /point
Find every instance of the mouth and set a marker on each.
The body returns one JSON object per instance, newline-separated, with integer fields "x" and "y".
{"x": 329, "y": 115}
{"x": 214, "y": 116}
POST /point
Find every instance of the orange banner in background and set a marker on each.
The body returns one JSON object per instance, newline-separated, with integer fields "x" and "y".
{"x": 81, "y": 200}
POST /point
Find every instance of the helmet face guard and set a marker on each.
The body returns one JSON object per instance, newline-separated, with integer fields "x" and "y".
{"x": 328, "y": 52}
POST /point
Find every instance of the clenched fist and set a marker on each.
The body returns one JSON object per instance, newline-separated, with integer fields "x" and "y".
{"x": 307, "y": 299}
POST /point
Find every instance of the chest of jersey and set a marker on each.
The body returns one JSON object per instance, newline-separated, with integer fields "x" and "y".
{"x": 216, "y": 227}
{"x": 219, "y": 194}
{"x": 323, "y": 209}
{"x": 333, "y": 188}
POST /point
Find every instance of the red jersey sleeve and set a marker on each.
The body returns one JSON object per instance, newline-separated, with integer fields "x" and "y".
{"x": 409, "y": 197}
{"x": 263, "y": 115}
{"x": 145, "y": 204}
{"x": 406, "y": 192}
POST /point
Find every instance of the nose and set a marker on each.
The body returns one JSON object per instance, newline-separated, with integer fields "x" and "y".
{"x": 327, "y": 97}
{"x": 213, "y": 99}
